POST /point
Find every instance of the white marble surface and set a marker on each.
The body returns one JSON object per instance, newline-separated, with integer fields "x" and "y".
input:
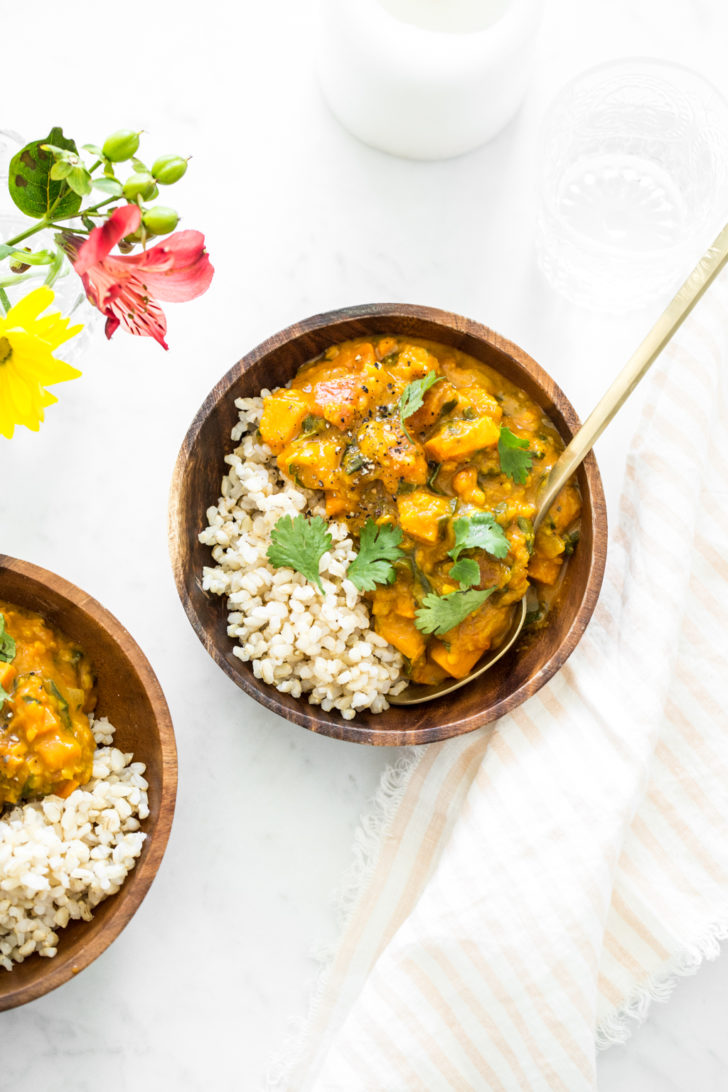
{"x": 198, "y": 990}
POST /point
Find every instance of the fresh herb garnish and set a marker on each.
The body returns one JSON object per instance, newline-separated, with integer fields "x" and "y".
{"x": 479, "y": 531}
{"x": 570, "y": 542}
{"x": 466, "y": 571}
{"x": 300, "y": 544}
{"x": 515, "y": 458}
{"x": 441, "y": 613}
{"x": 378, "y": 549}
{"x": 62, "y": 703}
{"x": 311, "y": 425}
{"x": 3, "y": 695}
{"x": 7, "y": 643}
{"x": 413, "y": 396}
{"x": 352, "y": 459}
{"x": 528, "y": 536}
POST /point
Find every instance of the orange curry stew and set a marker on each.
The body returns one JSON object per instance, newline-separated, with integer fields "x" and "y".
{"x": 47, "y": 691}
{"x": 340, "y": 427}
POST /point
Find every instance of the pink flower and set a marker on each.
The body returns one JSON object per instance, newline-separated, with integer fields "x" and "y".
{"x": 123, "y": 287}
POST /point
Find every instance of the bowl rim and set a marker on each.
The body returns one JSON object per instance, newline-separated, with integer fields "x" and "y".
{"x": 312, "y": 717}
{"x": 61, "y": 968}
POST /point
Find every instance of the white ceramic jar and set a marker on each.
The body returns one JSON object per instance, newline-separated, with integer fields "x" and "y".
{"x": 426, "y": 79}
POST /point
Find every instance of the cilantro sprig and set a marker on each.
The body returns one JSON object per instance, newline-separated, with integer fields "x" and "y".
{"x": 299, "y": 543}
{"x": 466, "y": 571}
{"x": 515, "y": 457}
{"x": 441, "y": 613}
{"x": 413, "y": 396}
{"x": 479, "y": 531}
{"x": 378, "y": 549}
{"x": 7, "y": 643}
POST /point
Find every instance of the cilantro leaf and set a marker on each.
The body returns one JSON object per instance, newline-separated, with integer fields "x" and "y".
{"x": 466, "y": 571}
{"x": 413, "y": 396}
{"x": 515, "y": 458}
{"x": 300, "y": 544}
{"x": 441, "y": 613}
{"x": 3, "y": 695}
{"x": 378, "y": 548}
{"x": 479, "y": 531}
{"x": 7, "y": 644}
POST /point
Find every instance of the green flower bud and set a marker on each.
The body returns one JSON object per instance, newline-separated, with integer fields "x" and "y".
{"x": 138, "y": 185}
{"x": 168, "y": 169}
{"x": 160, "y": 220}
{"x": 121, "y": 145}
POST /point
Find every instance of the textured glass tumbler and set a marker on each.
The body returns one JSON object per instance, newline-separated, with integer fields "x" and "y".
{"x": 633, "y": 180}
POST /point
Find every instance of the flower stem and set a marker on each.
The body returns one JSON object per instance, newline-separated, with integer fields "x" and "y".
{"x": 26, "y": 234}
{"x": 85, "y": 212}
{"x": 4, "y": 301}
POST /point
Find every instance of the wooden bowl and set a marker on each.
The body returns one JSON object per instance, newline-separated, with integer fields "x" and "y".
{"x": 130, "y": 696}
{"x": 196, "y": 485}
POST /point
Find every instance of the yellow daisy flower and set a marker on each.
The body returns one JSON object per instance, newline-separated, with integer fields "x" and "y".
{"x": 27, "y": 364}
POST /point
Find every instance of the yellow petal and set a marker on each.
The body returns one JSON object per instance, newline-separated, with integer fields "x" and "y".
{"x": 26, "y": 310}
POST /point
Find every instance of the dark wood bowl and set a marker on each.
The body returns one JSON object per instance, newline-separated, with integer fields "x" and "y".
{"x": 196, "y": 485}
{"x": 131, "y": 697}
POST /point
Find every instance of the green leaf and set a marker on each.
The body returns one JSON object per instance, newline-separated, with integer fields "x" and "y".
{"x": 30, "y": 183}
{"x": 109, "y": 185}
{"x": 3, "y": 695}
{"x": 61, "y": 169}
{"x": 413, "y": 396}
{"x": 80, "y": 181}
{"x": 441, "y": 613}
{"x": 7, "y": 643}
{"x": 140, "y": 167}
{"x": 466, "y": 571}
{"x": 94, "y": 149}
{"x": 515, "y": 458}
{"x": 6, "y": 250}
{"x": 300, "y": 544}
{"x": 378, "y": 549}
{"x": 480, "y": 531}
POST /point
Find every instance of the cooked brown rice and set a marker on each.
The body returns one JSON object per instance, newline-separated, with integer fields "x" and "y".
{"x": 60, "y": 858}
{"x": 295, "y": 639}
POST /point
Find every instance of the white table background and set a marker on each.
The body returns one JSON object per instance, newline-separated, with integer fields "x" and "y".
{"x": 300, "y": 218}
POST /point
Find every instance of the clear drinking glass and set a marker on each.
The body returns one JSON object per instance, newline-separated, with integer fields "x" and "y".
{"x": 632, "y": 181}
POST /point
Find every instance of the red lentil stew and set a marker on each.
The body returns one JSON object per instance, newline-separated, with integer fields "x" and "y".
{"x": 413, "y": 435}
{"x": 46, "y": 693}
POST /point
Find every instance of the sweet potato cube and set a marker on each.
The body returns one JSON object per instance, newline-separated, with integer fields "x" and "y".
{"x": 283, "y": 415}
{"x": 57, "y": 752}
{"x": 544, "y": 569}
{"x": 458, "y": 662}
{"x": 459, "y": 439}
{"x": 402, "y": 633}
{"x": 7, "y": 674}
{"x": 420, "y": 514}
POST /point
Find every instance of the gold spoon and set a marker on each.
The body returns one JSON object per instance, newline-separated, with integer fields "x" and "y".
{"x": 584, "y": 439}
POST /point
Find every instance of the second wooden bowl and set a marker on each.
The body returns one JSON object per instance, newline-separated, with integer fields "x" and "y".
{"x": 196, "y": 485}
{"x": 130, "y": 696}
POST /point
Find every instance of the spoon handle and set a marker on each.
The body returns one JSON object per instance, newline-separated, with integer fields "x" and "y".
{"x": 636, "y": 367}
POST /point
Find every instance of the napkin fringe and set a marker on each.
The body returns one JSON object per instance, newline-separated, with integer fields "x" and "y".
{"x": 368, "y": 840}
{"x": 619, "y": 1025}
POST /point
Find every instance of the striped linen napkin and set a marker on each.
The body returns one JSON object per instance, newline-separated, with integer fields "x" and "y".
{"x": 522, "y": 891}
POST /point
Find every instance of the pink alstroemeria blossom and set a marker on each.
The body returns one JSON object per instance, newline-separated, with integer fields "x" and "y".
{"x": 124, "y": 287}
